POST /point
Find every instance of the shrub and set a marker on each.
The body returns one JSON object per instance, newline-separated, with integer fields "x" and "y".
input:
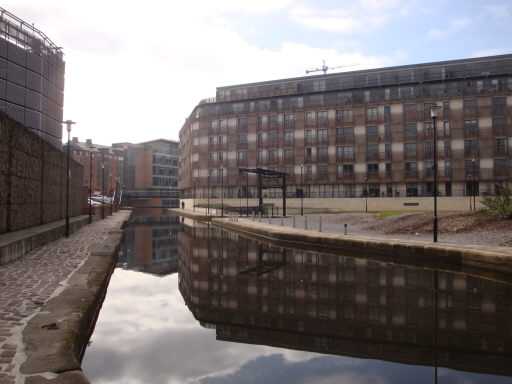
{"x": 501, "y": 204}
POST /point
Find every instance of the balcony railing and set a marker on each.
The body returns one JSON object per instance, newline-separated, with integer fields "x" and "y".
{"x": 410, "y": 155}
{"x": 411, "y": 173}
{"x": 309, "y": 141}
{"x": 289, "y": 159}
{"x": 372, "y": 137}
{"x": 241, "y": 145}
{"x": 345, "y": 175}
{"x": 289, "y": 124}
{"x": 500, "y": 150}
{"x": 345, "y": 157}
{"x": 289, "y": 142}
{"x": 471, "y": 132}
{"x": 428, "y": 135}
{"x": 322, "y": 140}
{"x": 372, "y": 156}
{"x": 501, "y": 172}
{"x": 471, "y": 152}
{"x": 470, "y": 111}
{"x": 345, "y": 139}
{"x": 322, "y": 158}
{"x": 499, "y": 110}
{"x": 499, "y": 130}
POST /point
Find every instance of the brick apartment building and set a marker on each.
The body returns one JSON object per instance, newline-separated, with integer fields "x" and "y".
{"x": 353, "y": 134}
{"x": 95, "y": 158}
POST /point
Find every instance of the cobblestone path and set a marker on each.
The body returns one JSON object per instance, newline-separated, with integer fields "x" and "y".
{"x": 27, "y": 283}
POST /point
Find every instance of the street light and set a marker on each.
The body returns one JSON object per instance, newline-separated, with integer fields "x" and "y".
{"x": 222, "y": 191}
{"x": 68, "y": 128}
{"x": 208, "y": 190}
{"x": 194, "y": 205}
{"x": 301, "y": 191}
{"x": 102, "y": 188}
{"x": 90, "y": 182}
{"x": 473, "y": 186}
{"x": 366, "y": 194}
{"x": 433, "y": 113}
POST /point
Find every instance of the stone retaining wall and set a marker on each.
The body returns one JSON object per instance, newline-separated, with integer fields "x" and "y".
{"x": 33, "y": 179}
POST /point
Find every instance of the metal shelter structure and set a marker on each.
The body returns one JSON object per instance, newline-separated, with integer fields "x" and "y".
{"x": 266, "y": 174}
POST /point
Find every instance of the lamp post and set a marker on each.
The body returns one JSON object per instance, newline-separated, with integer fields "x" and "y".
{"x": 221, "y": 191}
{"x": 102, "y": 188}
{"x": 68, "y": 128}
{"x": 194, "y": 204}
{"x": 473, "y": 185}
{"x": 433, "y": 113}
{"x": 90, "y": 182}
{"x": 208, "y": 191}
{"x": 301, "y": 191}
{"x": 366, "y": 194}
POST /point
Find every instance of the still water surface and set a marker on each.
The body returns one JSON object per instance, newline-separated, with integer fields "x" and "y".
{"x": 191, "y": 304}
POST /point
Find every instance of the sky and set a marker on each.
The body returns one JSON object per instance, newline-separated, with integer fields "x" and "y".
{"x": 135, "y": 70}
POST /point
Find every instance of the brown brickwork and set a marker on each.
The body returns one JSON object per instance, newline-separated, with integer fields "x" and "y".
{"x": 33, "y": 179}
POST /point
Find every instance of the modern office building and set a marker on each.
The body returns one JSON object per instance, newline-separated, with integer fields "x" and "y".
{"x": 150, "y": 172}
{"x": 353, "y": 134}
{"x": 31, "y": 77}
{"x": 103, "y": 165}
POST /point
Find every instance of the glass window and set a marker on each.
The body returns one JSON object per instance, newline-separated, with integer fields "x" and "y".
{"x": 410, "y": 130}
{"x": 410, "y": 149}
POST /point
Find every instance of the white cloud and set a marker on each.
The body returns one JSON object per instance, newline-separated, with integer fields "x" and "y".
{"x": 492, "y": 52}
{"x": 454, "y": 25}
{"x": 499, "y": 11}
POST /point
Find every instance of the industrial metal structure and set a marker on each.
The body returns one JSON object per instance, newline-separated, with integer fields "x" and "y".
{"x": 31, "y": 77}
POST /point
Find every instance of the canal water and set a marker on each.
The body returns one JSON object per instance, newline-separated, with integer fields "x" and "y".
{"x": 193, "y": 304}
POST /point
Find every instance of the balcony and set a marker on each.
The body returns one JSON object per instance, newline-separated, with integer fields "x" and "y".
{"x": 470, "y": 132}
{"x": 242, "y": 145}
{"x": 428, "y": 174}
{"x": 241, "y": 162}
{"x": 344, "y": 120}
{"x": 372, "y": 137}
{"x": 322, "y": 140}
{"x": 322, "y": 123}
{"x": 372, "y": 175}
{"x": 410, "y": 116}
{"x": 372, "y": 118}
{"x": 218, "y": 146}
{"x": 322, "y": 177}
{"x": 272, "y": 160}
{"x": 388, "y": 137}
{"x": 309, "y": 159}
{"x": 471, "y": 152}
{"x": 372, "y": 156}
{"x": 241, "y": 128}
{"x": 260, "y": 144}
{"x": 289, "y": 124}
{"x": 410, "y": 155}
{"x": 289, "y": 142}
{"x": 271, "y": 143}
{"x": 345, "y": 176}
{"x": 289, "y": 159}
{"x": 411, "y": 174}
{"x": 345, "y": 157}
{"x": 501, "y": 150}
{"x": 323, "y": 159}
{"x": 429, "y": 154}
{"x": 345, "y": 139}
{"x": 499, "y": 110}
{"x": 410, "y": 135}
{"x": 388, "y": 156}
{"x": 472, "y": 172}
{"x": 447, "y": 152}
{"x": 499, "y": 130}
{"x": 470, "y": 112}
{"x": 274, "y": 125}
{"x": 309, "y": 141}
{"x": 501, "y": 172}
{"x": 429, "y": 134}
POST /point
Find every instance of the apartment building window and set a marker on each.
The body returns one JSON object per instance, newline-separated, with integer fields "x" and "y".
{"x": 289, "y": 137}
{"x": 272, "y": 137}
{"x": 241, "y": 155}
{"x": 211, "y": 124}
{"x": 387, "y": 151}
{"x": 410, "y": 111}
{"x": 500, "y": 167}
{"x": 345, "y": 132}
{"x": 321, "y": 117}
{"x": 309, "y": 118}
{"x": 347, "y": 116}
{"x": 259, "y": 155}
{"x": 288, "y": 120}
{"x": 372, "y": 133}
{"x": 321, "y": 136}
{"x": 411, "y": 168}
{"x": 446, "y": 128}
{"x": 338, "y": 116}
{"x": 500, "y": 146}
{"x": 469, "y": 107}
{"x": 410, "y": 150}
{"x": 288, "y": 153}
{"x": 371, "y": 113}
{"x": 499, "y": 126}
{"x": 498, "y": 105}
{"x": 446, "y": 106}
{"x": 345, "y": 153}
{"x": 387, "y": 133}
{"x": 242, "y": 123}
{"x": 471, "y": 128}
{"x": 241, "y": 139}
{"x": 448, "y": 188}
{"x": 221, "y": 124}
{"x": 373, "y": 169}
{"x": 410, "y": 131}
{"x": 429, "y": 148}
{"x": 411, "y": 189}
{"x": 308, "y": 136}
{"x": 212, "y": 141}
{"x": 220, "y": 140}
{"x": 374, "y": 190}
{"x": 471, "y": 147}
{"x": 272, "y": 121}
{"x": 447, "y": 167}
{"x": 389, "y": 190}
{"x": 220, "y": 156}
{"x": 272, "y": 154}
{"x": 345, "y": 170}
{"x": 322, "y": 154}
{"x": 260, "y": 121}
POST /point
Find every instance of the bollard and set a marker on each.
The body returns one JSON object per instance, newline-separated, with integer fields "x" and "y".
{"x": 270, "y": 219}
{"x": 305, "y": 222}
{"x": 281, "y": 221}
{"x": 260, "y": 217}
{"x": 293, "y": 221}
{"x": 345, "y": 226}
{"x": 320, "y": 225}
{"x": 253, "y": 216}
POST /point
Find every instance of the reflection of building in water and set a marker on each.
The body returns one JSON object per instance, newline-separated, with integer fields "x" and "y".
{"x": 255, "y": 293}
{"x": 151, "y": 242}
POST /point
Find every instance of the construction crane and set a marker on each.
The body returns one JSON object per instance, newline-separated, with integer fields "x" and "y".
{"x": 325, "y": 68}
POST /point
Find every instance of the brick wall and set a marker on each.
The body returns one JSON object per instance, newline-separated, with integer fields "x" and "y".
{"x": 33, "y": 179}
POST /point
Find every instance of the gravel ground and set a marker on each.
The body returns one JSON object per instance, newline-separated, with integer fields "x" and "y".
{"x": 453, "y": 227}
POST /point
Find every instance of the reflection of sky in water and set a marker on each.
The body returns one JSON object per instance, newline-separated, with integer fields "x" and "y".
{"x": 146, "y": 334}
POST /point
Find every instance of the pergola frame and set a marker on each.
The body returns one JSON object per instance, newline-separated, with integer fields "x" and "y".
{"x": 266, "y": 174}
